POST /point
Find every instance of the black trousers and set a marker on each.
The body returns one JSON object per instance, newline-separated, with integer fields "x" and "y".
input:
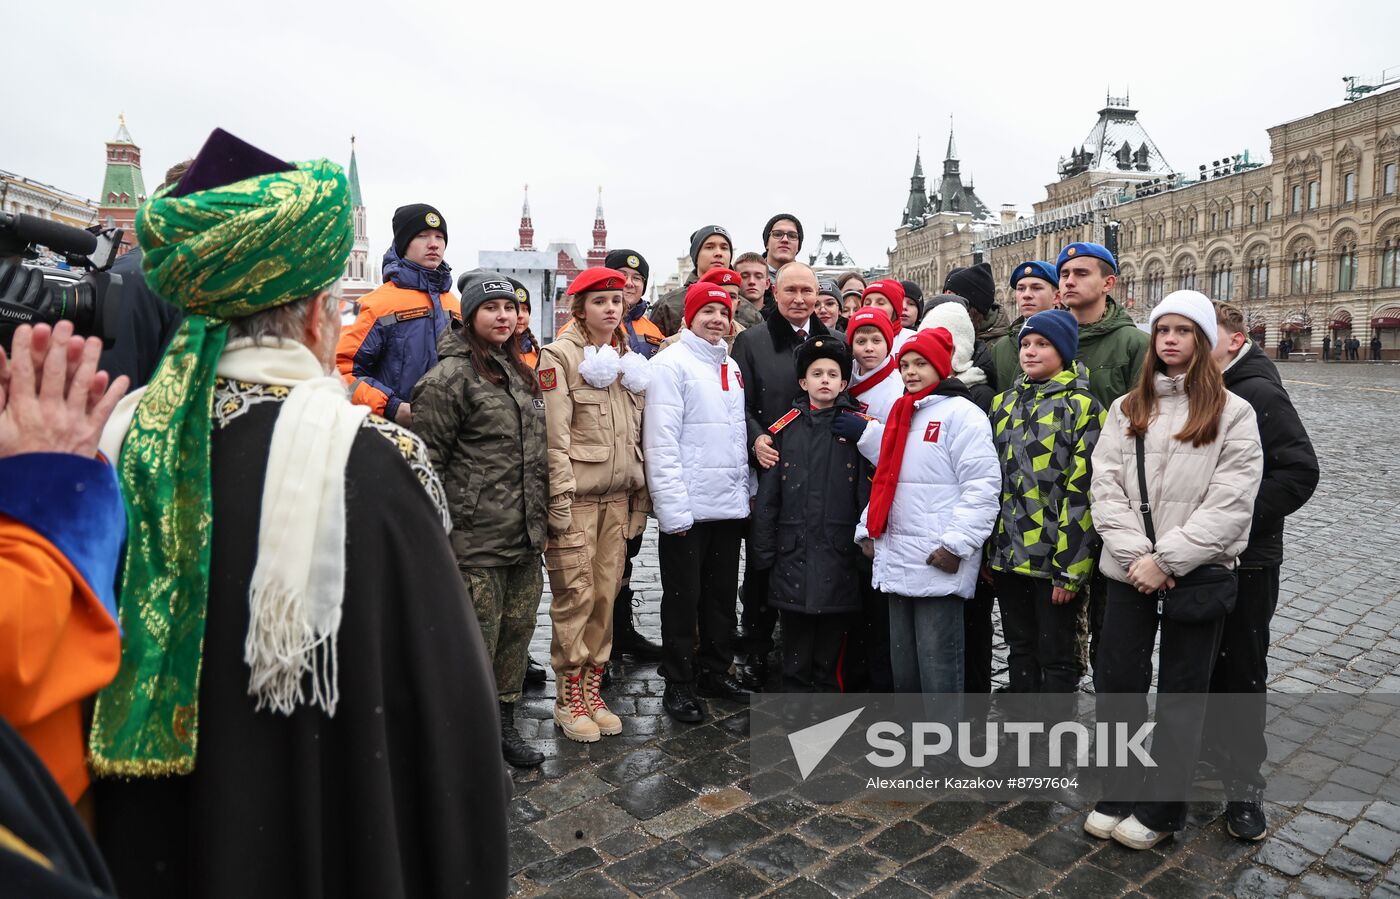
{"x": 977, "y": 639}
{"x": 812, "y": 651}
{"x": 1041, "y": 638}
{"x": 622, "y": 606}
{"x": 1121, "y": 681}
{"x": 699, "y": 574}
{"x": 866, "y": 665}
{"x": 758, "y": 618}
{"x": 1234, "y": 737}
{"x": 1097, "y": 602}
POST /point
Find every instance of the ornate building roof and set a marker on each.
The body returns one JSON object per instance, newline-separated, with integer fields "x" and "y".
{"x": 122, "y": 186}
{"x": 952, "y": 196}
{"x": 831, "y": 254}
{"x": 1117, "y": 143}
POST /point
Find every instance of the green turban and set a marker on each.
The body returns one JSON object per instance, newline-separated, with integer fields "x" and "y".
{"x": 219, "y": 254}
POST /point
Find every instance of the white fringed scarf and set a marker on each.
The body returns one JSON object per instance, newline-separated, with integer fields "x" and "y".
{"x": 298, "y": 585}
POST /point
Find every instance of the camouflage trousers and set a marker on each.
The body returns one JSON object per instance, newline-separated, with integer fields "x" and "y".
{"x": 506, "y": 600}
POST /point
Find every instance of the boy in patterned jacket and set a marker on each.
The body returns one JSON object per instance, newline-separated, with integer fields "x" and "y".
{"x": 1042, "y": 548}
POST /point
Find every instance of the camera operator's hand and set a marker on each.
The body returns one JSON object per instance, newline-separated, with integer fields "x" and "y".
{"x": 52, "y": 397}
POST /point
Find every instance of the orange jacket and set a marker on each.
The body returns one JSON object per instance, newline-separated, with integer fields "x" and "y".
{"x": 392, "y": 343}
{"x": 59, "y": 641}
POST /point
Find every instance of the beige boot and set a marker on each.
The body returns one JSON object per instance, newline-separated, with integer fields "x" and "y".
{"x": 608, "y": 723}
{"x": 571, "y": 711}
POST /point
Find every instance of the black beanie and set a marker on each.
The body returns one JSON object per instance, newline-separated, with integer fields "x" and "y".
{"x": 824, "y": 346}
{"x": 617, "y": 260}
{"x": 522, "y": 293}
{"x": 410, "y": 221}
{"x": 697, "y": 240}
{"x": 768, "y": 228}
{"x": 976, "y": 284}
{"x": 913, "y": 292}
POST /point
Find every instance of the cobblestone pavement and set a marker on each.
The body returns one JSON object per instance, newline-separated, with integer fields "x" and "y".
{"x": 663, "y": 809}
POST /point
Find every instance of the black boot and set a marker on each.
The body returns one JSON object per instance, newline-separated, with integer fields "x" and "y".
{"x": 680, "y": 703}
{"x": 535, "y": 675}
{"x": 626, "y": 639}
{"x": 516, "y": 751}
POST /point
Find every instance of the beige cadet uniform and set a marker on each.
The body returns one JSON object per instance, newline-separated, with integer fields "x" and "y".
{"x": 598, "y": 500}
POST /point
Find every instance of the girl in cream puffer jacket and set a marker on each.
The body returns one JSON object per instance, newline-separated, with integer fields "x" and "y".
{"x": 1203, "y": 466}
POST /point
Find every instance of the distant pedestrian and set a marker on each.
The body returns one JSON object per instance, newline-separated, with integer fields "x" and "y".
{"x": 1326, "y": 348}
{"x": 1375, "y": 348}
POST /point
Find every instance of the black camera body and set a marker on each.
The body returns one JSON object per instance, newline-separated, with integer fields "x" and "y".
{"x": 86, "y": 293}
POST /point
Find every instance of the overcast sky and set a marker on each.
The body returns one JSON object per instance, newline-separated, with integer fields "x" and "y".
{"x": 686, "y": 114}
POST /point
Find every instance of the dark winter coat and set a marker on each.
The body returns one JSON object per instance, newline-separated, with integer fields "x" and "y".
{"x": 1006, "y": 357}
{"x": 1290, "y": 465}
{"x": 668, "y": 313}
{"x": 806, "y": 514}
{"x": 144, "y": 329}
{"x": 489, "y": 446}
{"x": 765, "y": 357}
{"x": 1112, "y": 349}
{"x": 401, "y": 793}
{"x": 393, "y": 341}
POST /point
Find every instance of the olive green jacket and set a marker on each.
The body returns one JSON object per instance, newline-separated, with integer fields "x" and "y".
{"x": 489, "y": 446}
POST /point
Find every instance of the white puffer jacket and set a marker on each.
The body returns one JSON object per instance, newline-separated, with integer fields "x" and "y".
{"x": 695, "y": 435}
{"x": 949, "y": 494}
{"x": 1202, "y": 496}
{"x": 878, "y": 400}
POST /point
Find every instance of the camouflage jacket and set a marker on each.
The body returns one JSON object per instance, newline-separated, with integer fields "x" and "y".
{"x": 489, "y": 446}
{"x": 1045, "y": 434}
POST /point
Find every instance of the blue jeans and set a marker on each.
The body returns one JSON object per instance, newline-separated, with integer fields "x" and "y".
{"x": 926, "y": 643}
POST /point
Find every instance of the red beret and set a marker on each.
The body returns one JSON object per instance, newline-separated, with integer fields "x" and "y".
{"x": 596, "y": 279}
{"x": 935, "y": 345}
{"x": 721, "y": 276}
{"x": 871, "y": 317}
{"x": 890, "y": 289}
{"x": 700, "y": 295}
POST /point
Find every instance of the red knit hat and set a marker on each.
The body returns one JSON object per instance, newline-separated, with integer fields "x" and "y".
{"x": 935, "y": 345}
{"x": 721, "y": 276}
{"x": 871, "y": 317}
{"x": 890, "y": 289}
{"x": 701, "y": 295}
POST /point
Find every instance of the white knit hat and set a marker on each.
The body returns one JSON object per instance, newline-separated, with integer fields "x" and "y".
{"x": 954, "y": 317}
{"x": 1193, "y": 305}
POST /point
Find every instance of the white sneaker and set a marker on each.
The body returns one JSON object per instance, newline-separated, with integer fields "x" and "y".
{"x": 1100, "y": 825}
{"x": 1135, "y": 835}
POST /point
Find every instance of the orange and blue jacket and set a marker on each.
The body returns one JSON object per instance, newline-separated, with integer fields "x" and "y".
{"x": 393, "y": 341}
{"x": 62, "y": 524}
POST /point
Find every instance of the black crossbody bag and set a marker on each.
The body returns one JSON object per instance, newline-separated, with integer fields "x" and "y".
{"x": 1205, "y": 594}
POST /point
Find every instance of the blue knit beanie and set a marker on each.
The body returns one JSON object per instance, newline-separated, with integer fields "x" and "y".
{"x": 1058, "y": 327}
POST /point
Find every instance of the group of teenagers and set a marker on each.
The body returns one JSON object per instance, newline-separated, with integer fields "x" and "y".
{"x": 887, "y": 471}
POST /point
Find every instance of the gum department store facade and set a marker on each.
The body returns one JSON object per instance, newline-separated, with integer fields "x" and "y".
{"x": 1307, "y": 245}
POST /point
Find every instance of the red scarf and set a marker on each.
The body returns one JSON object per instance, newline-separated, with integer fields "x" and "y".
{"x": 883, "y": 371}
{"x": 892, "y": 445}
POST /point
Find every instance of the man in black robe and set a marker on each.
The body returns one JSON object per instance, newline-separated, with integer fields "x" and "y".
{"x": 394, "y": 786}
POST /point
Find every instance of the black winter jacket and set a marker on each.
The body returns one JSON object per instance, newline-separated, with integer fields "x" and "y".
{"x": 765, "y": 356}
{"x": 806, "y": 514}
{"x": 1290, "y": 465}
